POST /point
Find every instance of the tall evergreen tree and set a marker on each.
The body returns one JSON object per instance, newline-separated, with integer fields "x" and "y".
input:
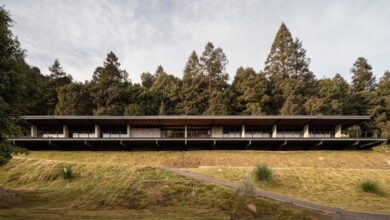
{"x": 363, "y": 79}
{"x": 380, "y": 109}
{"x": 74, "y": 99}
{"x": 362, "y": 95}
{"x": 331, "y": 98}
{"x": 135, "y": 100}
{"x": 220, "y": 103}
{"x": 57, "y": 78}
{"x": 167, "y": 87}
{"x": 37, "y": 102}
{"x": 194, "y": 86}
{"x": 159, "y": 70}
{"x": 58, "y": 75}
{"x": 250, "y": 89}
{"x": 149, "y": 102}
{"x": 363, "y": 85}
{"x": 109, "y": 87}
{"x": 134, "y": 109}
{"x": 213, "y": 65}
{"x": 147, "y": 80}
{"x": 291, "y": 81}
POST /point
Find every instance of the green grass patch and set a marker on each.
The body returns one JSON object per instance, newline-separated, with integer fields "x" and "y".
{"x": 66, "y": 172}
{"x": 263, "y": 173}
{"x": 371, "y": 186}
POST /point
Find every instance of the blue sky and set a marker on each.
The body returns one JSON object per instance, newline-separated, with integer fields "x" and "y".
{"x": 147, "y": 33}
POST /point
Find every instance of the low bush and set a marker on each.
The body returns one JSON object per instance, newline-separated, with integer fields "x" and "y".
{"x": 371, "y": 186}
{"x": 246, "y": 185}
{"x": 66, "y": 172}
{"x": 263, "y": 173}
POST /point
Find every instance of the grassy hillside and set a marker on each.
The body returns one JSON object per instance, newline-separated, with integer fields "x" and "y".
{"x": 335, "y": 187}
{"x": 101, "y": 187}
{"x": 193, "y": 159}
{"x": 123, "y": 184}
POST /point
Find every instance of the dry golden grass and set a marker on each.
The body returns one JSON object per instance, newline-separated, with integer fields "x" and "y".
{"x": 324, "y": 177}
{"x": 103, "y": 189}
{"x": 328, "y": 186}
{"x": 188, "y": 159}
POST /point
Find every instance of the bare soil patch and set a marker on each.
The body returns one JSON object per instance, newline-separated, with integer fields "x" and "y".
{"x": 9, "y": 199}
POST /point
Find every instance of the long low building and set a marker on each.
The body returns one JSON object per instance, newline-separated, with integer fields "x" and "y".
{"x": 273, "y": 132}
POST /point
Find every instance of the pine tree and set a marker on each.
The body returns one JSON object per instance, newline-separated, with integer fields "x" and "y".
{"x": 291, "y": 81}
{"x": 74, "y": 99}
{"x": 362, "y": 76}
{"x": 110, "y": 71}
{"x": 194, "y": 87}
{"x": 331, "y": 97}
{"x": 362, "y": 95}
{"x": 380, "y": 109}
{"x": 219, "y": 103}
{"x": 57, "y": 78}
{"x": 134, "y": 109}
{"x": 363, "y": 85}
{"x": 213, "y": 66}
{"x": 250, "y": 90}
{"x": 147, "y": 80}
{"x": 167, "y": 88}
{"x": 159, "y": 70}
{"x": 109, "y": 87}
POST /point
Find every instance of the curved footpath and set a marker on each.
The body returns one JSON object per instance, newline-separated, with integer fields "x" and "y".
{"x": 336, "y": 213}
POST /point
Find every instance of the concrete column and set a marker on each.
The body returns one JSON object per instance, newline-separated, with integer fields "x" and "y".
{"x": 337, "y": 131}
{"x": 97, "y": 131}
{"x": 34, "y": 131}
{"x": 274, "y": 131}
{"x": 243, "y": 131}
{"x": 128, "y": 131}
{"x": 185, "y": 131}
{"x": 306, "y": 133}
{"x": 65, "y": 130}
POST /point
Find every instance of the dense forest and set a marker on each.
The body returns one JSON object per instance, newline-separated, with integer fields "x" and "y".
{"x": 285, "y": 86}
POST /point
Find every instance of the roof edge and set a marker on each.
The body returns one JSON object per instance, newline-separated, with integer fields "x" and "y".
{"x": 343, "y": 117}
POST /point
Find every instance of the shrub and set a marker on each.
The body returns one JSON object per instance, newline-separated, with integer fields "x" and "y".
{"x": 371, "y": 186}
{"x": 263, "y": 173}
{"x": 66, "y": 172}
{"x": 246, "y": 185}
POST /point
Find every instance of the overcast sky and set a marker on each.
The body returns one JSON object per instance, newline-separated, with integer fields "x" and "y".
{"x": 144, "y": 34}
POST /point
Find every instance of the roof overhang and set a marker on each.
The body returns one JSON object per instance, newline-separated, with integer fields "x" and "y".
{"x": 197, "y": 120}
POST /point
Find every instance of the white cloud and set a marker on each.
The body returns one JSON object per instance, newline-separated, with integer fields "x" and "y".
{"x": 147, "y": 33}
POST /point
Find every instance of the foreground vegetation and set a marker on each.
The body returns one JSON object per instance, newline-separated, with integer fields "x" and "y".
{"x": 195, "y": 159}
{"x": 103, "y": 189}
{"x": 326, "y": 177}
{"x": 335, "y": 187}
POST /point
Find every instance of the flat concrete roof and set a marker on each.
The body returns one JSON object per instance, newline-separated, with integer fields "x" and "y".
{"x": 196, "y": 120}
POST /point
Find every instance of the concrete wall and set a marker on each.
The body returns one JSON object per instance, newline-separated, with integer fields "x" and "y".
{"x": 217, "y": 132}
{"x": 145, "y": 132}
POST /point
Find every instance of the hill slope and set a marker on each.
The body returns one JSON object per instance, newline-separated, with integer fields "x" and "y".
{"x": 103, "y": 189}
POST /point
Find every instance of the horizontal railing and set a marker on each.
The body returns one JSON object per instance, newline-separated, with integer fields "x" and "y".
{"x": 206, "y": 135}
{"x": 82, "y": 135}
{"x": 114, "y": 134}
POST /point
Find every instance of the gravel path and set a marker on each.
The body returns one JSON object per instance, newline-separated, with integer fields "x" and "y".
{"x": 337, "y": 214}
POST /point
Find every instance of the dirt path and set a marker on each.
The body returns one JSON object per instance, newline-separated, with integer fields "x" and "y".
{"x": 337, "y": 214}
